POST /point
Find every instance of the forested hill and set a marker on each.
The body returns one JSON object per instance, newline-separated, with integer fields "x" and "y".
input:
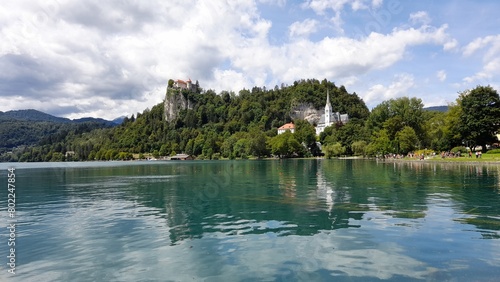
{"x": 30, "y": 127}
{"x": 223, "y": 124}
{"x": 229, "y": 125}
{"x": 38, "y": 116}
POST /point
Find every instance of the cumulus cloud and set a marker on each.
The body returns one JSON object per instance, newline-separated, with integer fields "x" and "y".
{"x": 320, "y": 6}
{"x": 113, "y": 58}
{"x": 399, "y": 87}
{"x": 420, "y": 17}
{"x": 441, "y": 75}
{"x": 489, "y": 74}
{"x": 303, "y": 28}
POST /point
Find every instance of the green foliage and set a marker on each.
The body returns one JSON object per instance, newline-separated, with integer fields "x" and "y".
{"x": 457, "y": 149}
{"x": 229, "y": 125}
{"x": 346, "y": 134}
{"x": 359, "y": 148}
{"x": 285, "y": 145}
{"x": 479, "y": 119}
{"x": 333, "y": 150}
{"x": 381, "y": 144}
{"x": 493, "y": 151}
{"x": 406, "y": 139}
{"x": 393, "y": 115}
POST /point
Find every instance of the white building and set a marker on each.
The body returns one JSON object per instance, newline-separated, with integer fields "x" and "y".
{"x": 289, "y": 126}
{"x": 329, "y": 117}
{"x": 183, "y": 84}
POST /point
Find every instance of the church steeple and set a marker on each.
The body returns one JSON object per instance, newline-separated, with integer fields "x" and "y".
{"x": 328, "y": 109}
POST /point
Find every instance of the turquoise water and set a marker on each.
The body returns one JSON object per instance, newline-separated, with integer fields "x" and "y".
{"x": 290, "y": 220}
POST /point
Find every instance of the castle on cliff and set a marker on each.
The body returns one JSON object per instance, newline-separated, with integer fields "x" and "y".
{"x": 175, "y": 101}
{"x": 181, "y": 84}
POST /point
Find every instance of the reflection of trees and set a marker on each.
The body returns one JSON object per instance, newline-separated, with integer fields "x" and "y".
{"x": 478, "y": 195}
{"x": 302, "y": 197}
{"x": 397, "y": 189}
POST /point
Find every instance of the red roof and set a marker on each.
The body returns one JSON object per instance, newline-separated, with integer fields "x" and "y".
{"x": 287, "y": 126}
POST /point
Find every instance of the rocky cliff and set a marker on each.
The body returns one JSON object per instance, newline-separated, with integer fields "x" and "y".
{"x": 176, "y": 100}
{"x": 306, "y": 112}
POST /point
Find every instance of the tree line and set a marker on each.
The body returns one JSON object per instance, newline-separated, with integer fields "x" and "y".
{"x": 243, "y": 125}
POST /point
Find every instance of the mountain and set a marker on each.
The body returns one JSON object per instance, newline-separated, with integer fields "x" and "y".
{"x": 31, "y": 115}
{"x": 31, "y": 127}
{"x": 119, "y": 120}
{"x": 34, "y": 115}
{"x": 443, "y": 109}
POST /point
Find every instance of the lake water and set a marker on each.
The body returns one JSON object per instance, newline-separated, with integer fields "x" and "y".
{"x": 272, "y": 220}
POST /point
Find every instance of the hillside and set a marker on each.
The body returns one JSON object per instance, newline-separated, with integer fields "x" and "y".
{"x": 442, "y": 109}
{"x": 211, "y": 125}
{"x": 30, "y": 127}
{"x": 217, "y": 125}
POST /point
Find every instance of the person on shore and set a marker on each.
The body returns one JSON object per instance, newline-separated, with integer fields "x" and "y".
{"x": 480, "y": 154}
{"x": 477, "y": 154}
{"x": 470, "y": 154}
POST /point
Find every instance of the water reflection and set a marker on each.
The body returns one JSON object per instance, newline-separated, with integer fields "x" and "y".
{"x": 278, "y": 220}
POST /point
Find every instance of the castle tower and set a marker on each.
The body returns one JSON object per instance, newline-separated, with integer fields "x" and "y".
{"x": 328, "y": 110}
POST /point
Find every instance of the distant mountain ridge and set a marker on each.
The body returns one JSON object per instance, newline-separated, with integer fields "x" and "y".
{"x": 31, "y": 127}
{"x": 443, "y": 109}
{"x": 35, "y": 115}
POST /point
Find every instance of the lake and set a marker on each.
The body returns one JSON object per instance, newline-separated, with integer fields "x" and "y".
{"x": 266, "y": 220}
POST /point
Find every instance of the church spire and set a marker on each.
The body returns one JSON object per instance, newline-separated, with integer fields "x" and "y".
{"x": 328, "y": 109}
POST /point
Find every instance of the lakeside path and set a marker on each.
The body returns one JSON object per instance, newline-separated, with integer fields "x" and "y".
{"x": 460, "y": 160}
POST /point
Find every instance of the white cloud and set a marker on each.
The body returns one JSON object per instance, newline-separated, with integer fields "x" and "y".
{"x": 441, "y": 75}
{"x": 490, "y": 72}
{"x": 279, "y": 3}
{"x": 320, "y": 6}
{"x": 377, "y": 3}
{"x": 303, "y": 28}
{"x": 483, "y": 42}
{"x": 420, "y": 17}
{"x": 399, "y": 87}
{"x": 59, "y": 56}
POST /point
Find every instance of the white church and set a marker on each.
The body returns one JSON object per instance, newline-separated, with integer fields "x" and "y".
{"x": 329, "y": 117}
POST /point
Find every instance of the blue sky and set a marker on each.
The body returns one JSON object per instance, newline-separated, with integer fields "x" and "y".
{"x": 112, "y": 58}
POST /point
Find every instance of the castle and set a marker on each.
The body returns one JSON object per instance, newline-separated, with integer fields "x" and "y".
{"x": 329, "y": 117}
{"x": 183, "y": 84}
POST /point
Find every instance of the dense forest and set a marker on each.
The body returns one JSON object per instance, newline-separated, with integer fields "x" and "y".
{"x": 243, "y": 125}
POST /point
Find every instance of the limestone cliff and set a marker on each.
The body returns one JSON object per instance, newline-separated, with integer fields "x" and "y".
{"x": 306, "y": 112}
{"x": 176, "y": 100}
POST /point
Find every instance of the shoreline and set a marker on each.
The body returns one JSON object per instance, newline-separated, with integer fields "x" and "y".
{"x": 443, "y": 161}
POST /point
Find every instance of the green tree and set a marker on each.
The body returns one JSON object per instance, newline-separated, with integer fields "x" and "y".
{"x": 285, "y": 145}
{"x": 305, "y": 134}
{"x": 381, "y": 144}
{"x": 257, "y": 143}
{"x": 406, "y": 139}
{"x": 333, "y": 150}
{"x": 395, "y": 114}
{"x": 480, "y": 115}
{"x": 359, "y": 148}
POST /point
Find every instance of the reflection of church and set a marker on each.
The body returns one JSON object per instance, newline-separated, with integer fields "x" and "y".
{"x": 329, "y": 117}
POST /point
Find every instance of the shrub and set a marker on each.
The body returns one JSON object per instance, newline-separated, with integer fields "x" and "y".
{"x": 460, "y": 149}
{"x": 426, "y": 152}
{"x": 493, "y": 151}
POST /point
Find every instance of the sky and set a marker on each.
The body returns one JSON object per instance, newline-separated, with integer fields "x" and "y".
{"x": 113, "y": 58}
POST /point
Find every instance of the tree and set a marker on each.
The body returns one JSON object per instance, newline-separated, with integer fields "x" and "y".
{"x": 480, "y": 115}
{"x": 359, "y": 148}
{"x": 305, "y": 133}
{"x": 381, "y": 143}
{"x": 333, "y": 150}
{"x": 257, "y": 143}
{"x": 285, "y": 145}
{"x": 394, "y": 114}
{"x": 406, "y": 140}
